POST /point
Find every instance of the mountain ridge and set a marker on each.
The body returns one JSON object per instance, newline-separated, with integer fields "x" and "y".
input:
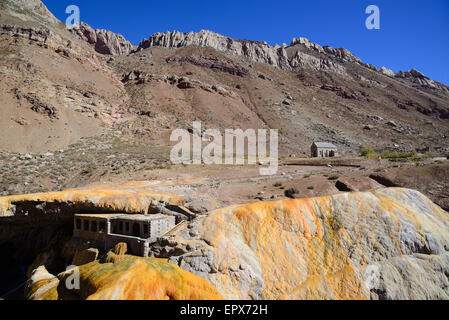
{"x": 81, "y": 84}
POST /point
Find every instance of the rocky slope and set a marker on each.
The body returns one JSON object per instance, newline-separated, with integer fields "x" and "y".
{"x": 58, "y": 87}
{"x": 55, "y": 89}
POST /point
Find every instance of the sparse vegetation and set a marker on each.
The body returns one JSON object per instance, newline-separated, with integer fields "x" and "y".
{"x": 368, "y": 153}
{"x": 397, "y": 155}
{"x": 335, "y": 221}
{"x": 333, "y": 177}
{"x": 88, "y": 160}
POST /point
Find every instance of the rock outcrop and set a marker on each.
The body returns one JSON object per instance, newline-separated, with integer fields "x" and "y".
{"x": 383, "y": 244}
{"x": 420, "y": 79}
{"x": 261, "y": 52}
{"x": 103, "y": 41}
{"x": 130, "y": 278}
{"x": 257, "y": 51}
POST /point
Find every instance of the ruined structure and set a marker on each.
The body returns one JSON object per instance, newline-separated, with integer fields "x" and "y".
{"x": 137, "y": 230}
{"x": 324, "y": 150}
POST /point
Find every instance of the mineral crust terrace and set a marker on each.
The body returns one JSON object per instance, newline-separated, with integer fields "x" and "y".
{"x": 129, "y": 197}
{"x": 388, "y": 243}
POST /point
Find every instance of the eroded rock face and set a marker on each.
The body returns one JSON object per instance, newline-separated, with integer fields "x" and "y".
{"x": 255, "y": 50}
{"x": 104, "y": 41}
{"x": 130, "y": 278}
{"x": 261, "y": 52}
{"x": 384, "y": 244}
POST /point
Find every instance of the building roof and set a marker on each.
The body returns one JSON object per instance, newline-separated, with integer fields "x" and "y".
{"x": 141, "y": 217}
{"x": 99, "y": 215}
{"x": 123, "y": 216}
{"x": 327, "y": 145}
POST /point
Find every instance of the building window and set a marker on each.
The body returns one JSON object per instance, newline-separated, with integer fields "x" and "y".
{"x": 93, "y": 226}
{"x": 78, "y": 224}
{"x": 86, "y": 225}
{"x": 136, "y": 229}
{"x": 120, "y": 226}
{"x": 145, "y": 229}
{"x": 102, "y": 227}
{"x": 127, "y": 226}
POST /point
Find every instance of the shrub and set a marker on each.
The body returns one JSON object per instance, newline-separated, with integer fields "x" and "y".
{"x": 368, "y": 153}
{"x": 333, "y": 177}
{"x": 290, "y": 193}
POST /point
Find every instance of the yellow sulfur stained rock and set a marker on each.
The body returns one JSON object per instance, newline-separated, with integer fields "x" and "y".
{"x": 131, "y": 278}
{"x": 382, "y": 244}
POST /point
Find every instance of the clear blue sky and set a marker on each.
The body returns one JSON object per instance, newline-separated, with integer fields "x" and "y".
{"x": 413, "y": 34}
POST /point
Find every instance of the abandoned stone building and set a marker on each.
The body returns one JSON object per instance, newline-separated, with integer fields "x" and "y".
{"x": 137, "y": 230}
{"x": 324, "y": 150}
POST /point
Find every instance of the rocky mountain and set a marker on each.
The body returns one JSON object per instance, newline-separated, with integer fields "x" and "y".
{"x": 103, "y": 41}
{"x": 312, "y": 92}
